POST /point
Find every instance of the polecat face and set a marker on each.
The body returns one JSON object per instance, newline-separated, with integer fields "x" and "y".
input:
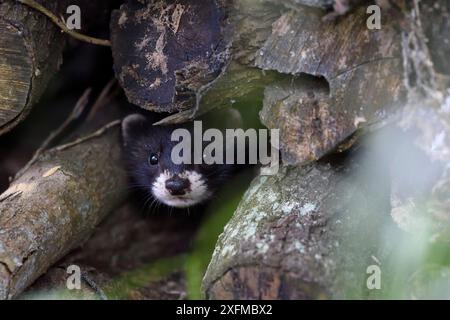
{"x": 147, "y": 152}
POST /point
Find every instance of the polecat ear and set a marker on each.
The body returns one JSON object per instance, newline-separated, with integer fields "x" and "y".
{"x": 132, "y": 126}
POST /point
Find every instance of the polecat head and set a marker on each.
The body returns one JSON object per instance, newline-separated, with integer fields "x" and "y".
{"x": 147, "y": 152}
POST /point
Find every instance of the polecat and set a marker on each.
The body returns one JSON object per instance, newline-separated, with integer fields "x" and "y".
{"x": 147, "y": 154}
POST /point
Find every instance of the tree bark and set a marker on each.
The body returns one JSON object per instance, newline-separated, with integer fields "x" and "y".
{"x": 55, "y": 204}
{"x": 191, "y": 82}
{"x": 311, "y": 232}
{"x": 31, "y": 48}
{"x": 30, "y": 54}
{"x": 305, "y": 233}
{"x": 120, "y": 258}
{"x": 361, "y": 73}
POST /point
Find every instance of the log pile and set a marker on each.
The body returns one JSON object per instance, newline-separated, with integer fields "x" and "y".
{"x": 312, "y": 231}
{"x": 54, "y": 205}
{"x": 346, "y": 200}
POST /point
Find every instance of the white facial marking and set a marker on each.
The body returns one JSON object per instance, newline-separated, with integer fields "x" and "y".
{"x": 196, "y": 193}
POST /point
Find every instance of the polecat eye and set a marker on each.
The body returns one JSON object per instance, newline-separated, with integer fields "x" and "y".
{"x": 153, "y": 159}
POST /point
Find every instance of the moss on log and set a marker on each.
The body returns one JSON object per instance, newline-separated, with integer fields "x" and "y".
{"x": 311, "y": 232}
{"x": 305, "y": 233}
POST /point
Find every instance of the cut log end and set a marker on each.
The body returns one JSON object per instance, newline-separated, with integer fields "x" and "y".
{"x": 16, "y": 72}
{"x": 166, "y": 51}
{"x": 262, "y": 283}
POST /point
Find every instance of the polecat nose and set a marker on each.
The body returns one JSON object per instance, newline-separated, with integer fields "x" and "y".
{"x": 177, "y": 186}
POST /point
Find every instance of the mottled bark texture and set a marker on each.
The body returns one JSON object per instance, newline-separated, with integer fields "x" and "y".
{"x": 55, "y": 204}
{"x": 324, "y": 4}
{"x": 437, "y": 32}
{"x": 311, "y": 231}
{"x": 31, "y": 49}
{"x": 337, "y": 7}
{"x": 30, "y": 54}
{"x": 305, "y": 233}
{"x": 125, "y": 246}
{"x": 361, "y": 73}
{"x": 173, "y": 56}
{"x": 180, "y": 56}
{"x": 166, "y": 51}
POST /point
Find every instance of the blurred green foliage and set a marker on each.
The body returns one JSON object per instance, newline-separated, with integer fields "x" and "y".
{"x": 219, "y": 212}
